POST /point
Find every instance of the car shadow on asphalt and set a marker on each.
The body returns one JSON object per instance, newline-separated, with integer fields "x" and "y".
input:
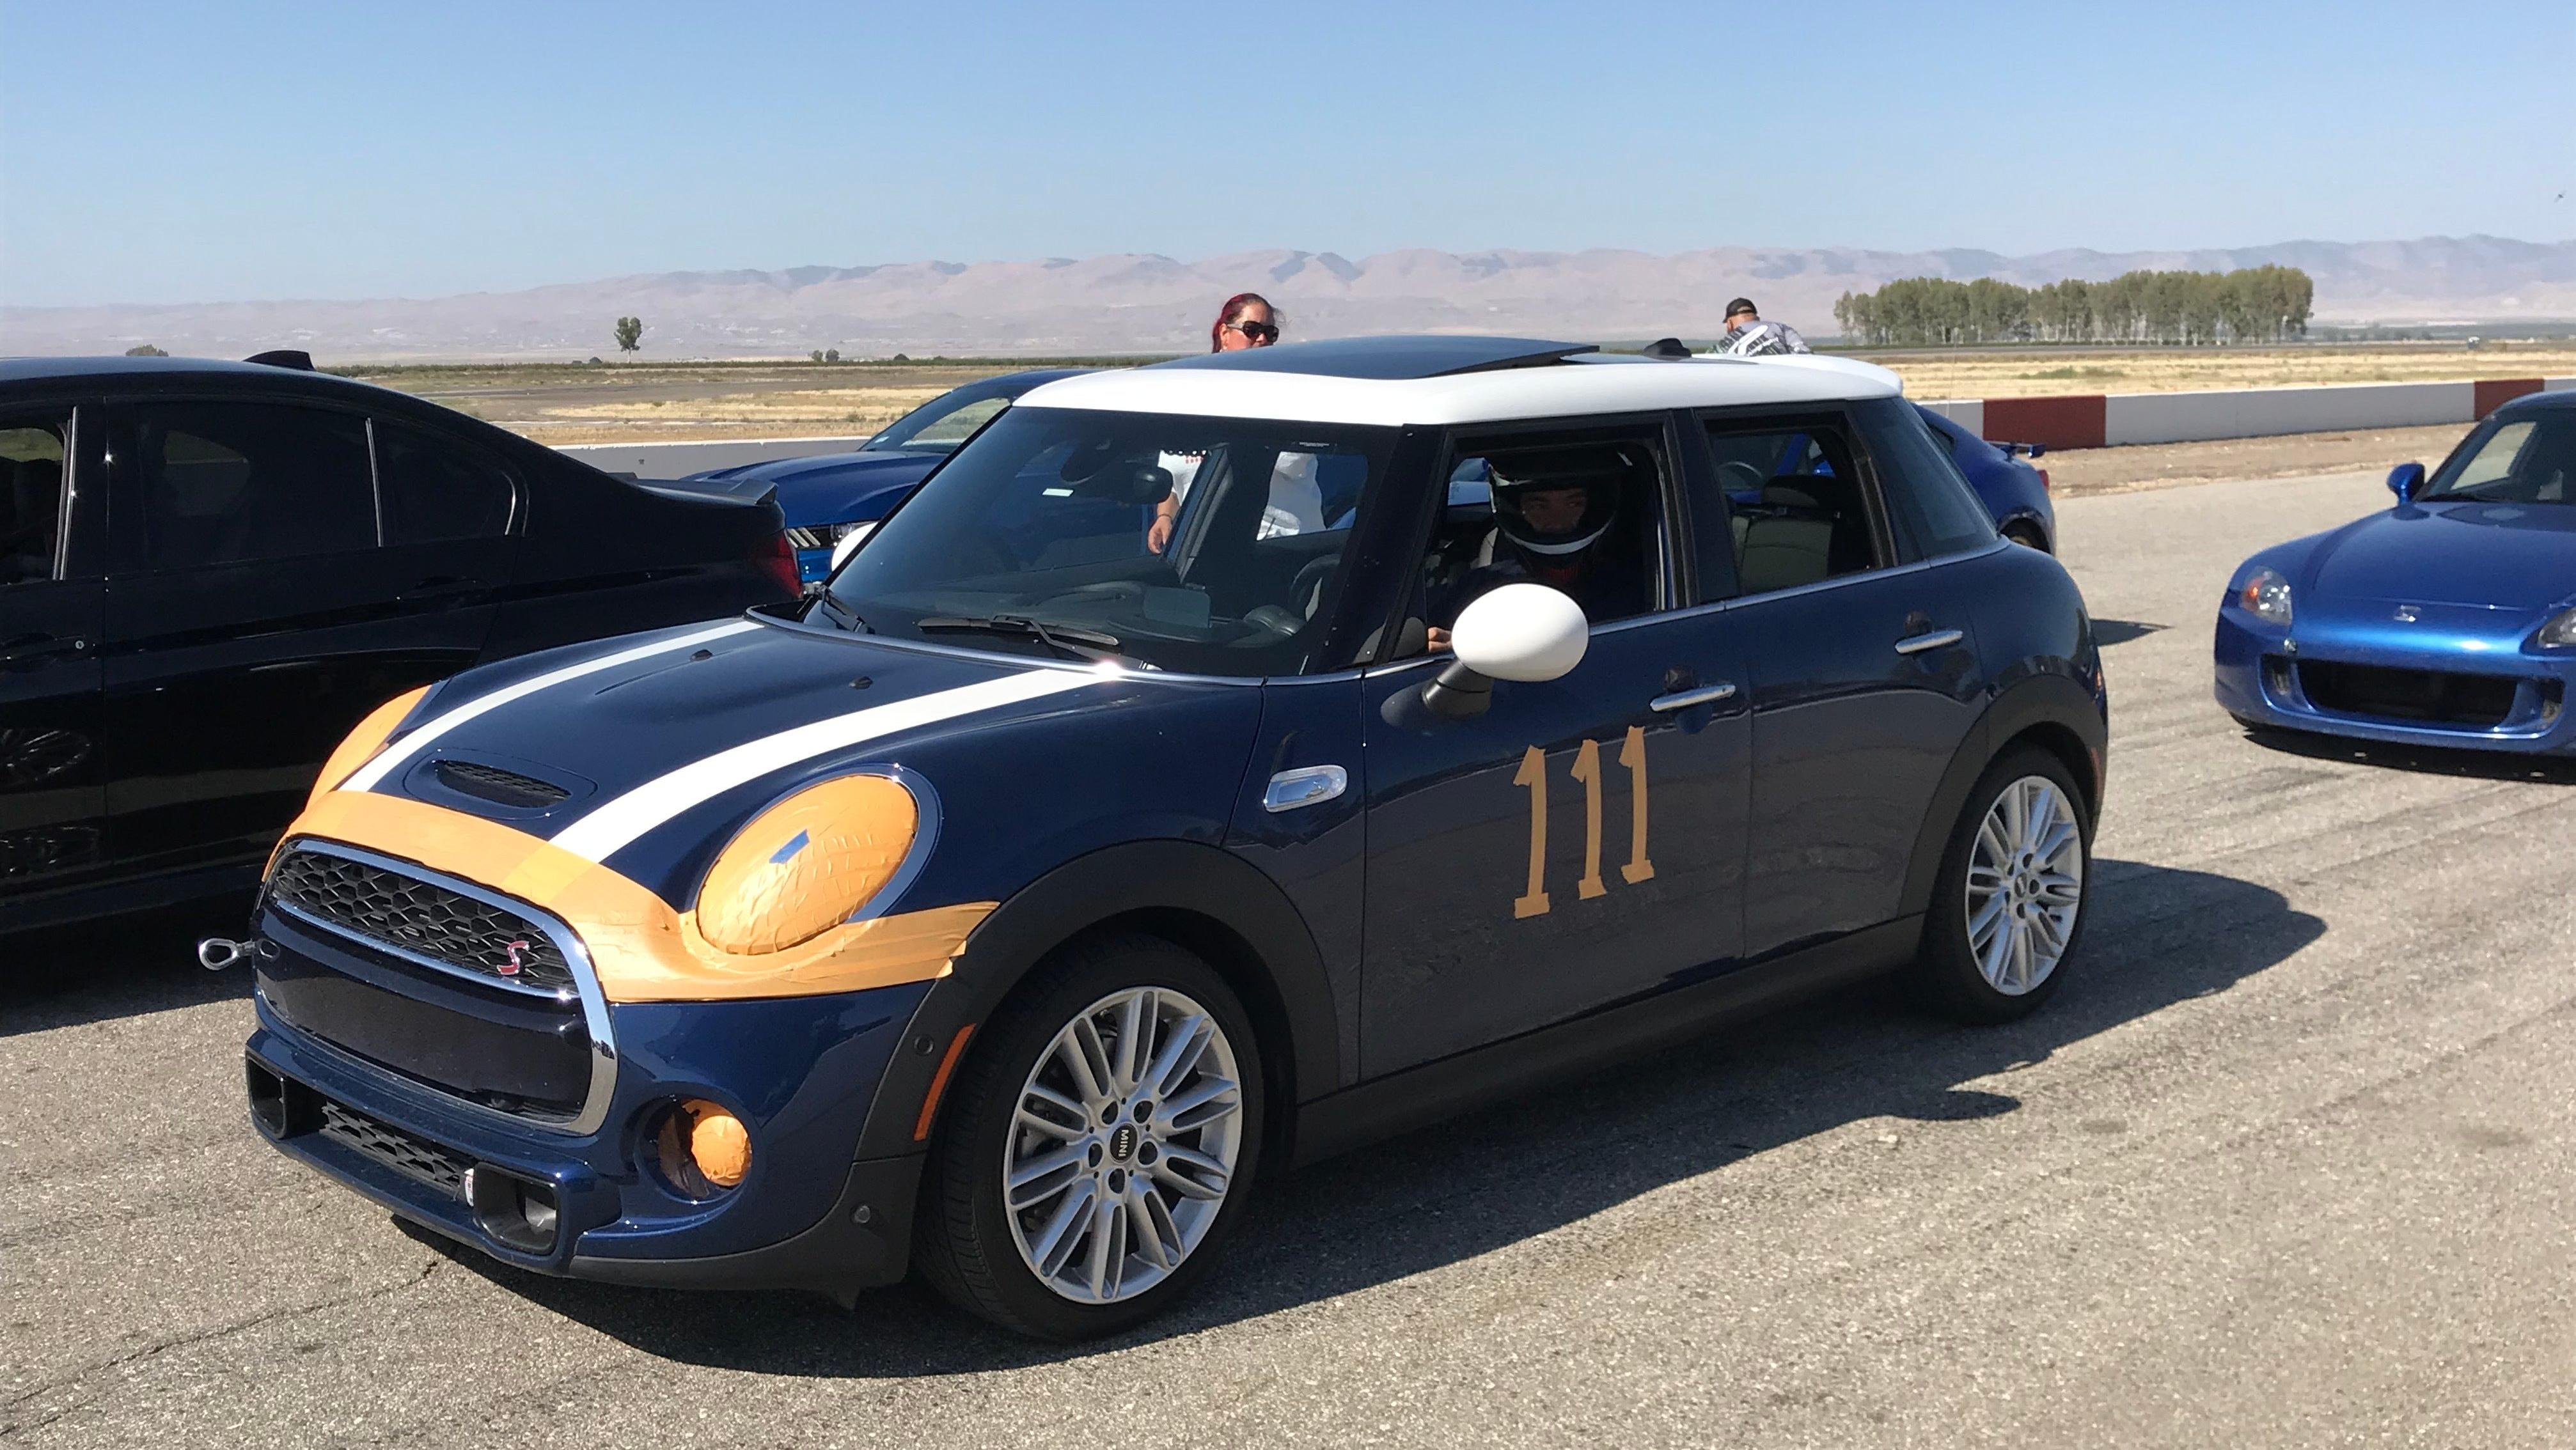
{"x": 68, "y": 976}
{"x": 2424, "y": 760}
{"x": 1546, "y": 1160}
{"x": 2108, "y": 632}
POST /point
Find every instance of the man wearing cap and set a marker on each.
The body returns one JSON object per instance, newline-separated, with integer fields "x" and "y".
{"x": 1747, "y": 335}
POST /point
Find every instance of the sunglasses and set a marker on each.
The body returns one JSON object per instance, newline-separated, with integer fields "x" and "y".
{"x": 1257, "y": 331}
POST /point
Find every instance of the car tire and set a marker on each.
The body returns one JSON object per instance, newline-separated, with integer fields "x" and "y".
{"x": 1134, "y": 1224}
{"x": 2009, "y": 908}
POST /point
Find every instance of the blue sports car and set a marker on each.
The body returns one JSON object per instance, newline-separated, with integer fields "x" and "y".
{"x": 2016, "y": 493}
{"x": 2448, "y": 620}
{"x": 831, "y": 496}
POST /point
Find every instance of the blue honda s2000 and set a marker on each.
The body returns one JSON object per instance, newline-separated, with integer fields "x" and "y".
{"x": 2448, "y": 620}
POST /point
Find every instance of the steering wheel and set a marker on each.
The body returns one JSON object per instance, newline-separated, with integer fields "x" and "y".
{"x": 1737, "y": 476}
{"x": 1278, "y": 621}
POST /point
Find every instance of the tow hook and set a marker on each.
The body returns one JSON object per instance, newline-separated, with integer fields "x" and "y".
{"x": 215, "y": 953}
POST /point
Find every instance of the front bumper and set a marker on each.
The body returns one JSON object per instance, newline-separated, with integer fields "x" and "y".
{"x": 801, "y": 1073}
{"x": 2500, "y": 697}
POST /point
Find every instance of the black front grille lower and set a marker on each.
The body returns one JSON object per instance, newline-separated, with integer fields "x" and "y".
{"x": 420, "y": 917}
{"x": 413, "y": 1157}
{"x": 501, "y": 787}
{"x": 2480, "y": 702}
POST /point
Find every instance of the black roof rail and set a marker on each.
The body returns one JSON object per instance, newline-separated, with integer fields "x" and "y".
{"x": 284, "y": 357}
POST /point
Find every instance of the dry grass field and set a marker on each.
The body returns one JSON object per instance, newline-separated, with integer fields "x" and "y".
{"x": 648, "y": 402}
{"x": 2029, "y": 373}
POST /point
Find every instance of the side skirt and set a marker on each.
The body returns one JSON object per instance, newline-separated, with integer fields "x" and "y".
{"x": 1422, "y": 1095}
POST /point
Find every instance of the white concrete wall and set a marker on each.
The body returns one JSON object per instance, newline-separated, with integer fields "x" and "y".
{"x": 2265, "y": 412}
{"x": 678, "y": 460}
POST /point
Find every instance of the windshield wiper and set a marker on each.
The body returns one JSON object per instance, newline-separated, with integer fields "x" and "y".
{"x": 842, "y": 614}
{"x": 1065, "y": 639}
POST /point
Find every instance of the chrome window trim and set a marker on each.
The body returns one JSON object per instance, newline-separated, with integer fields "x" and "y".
{"x": 594, "y": 1003}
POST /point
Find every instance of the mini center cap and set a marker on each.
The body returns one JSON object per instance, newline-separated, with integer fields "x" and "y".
{"x": 1122, "y": 1144}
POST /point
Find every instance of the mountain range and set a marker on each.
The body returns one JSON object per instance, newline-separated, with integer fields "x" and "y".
{"x": 1143, "y": 303}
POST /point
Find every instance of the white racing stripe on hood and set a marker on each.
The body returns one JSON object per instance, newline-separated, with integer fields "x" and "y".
{"x": 602, "y": 832}
{"x": 412, "y": 744}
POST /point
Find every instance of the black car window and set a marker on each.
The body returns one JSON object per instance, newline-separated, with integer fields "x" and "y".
{"x": 229, "y": 483}
{"x": 1932, "y": 500}
{"x": 434, "y": 489}
{"x": 1579, "y": 510}
{"x": 31, "y": 498}
{"x": 1790, "y": 496}
{"x": 1178, "y": 543}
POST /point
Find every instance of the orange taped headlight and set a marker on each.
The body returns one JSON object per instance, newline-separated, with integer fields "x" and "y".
{"x": 363, "y": 742}
{"x": 807, "y": 864}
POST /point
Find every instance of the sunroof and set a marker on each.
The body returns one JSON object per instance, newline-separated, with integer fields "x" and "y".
{"x": 1388, "y": 359}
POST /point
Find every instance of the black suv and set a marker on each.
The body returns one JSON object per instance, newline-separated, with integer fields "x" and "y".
{"x": 209, "y": 571}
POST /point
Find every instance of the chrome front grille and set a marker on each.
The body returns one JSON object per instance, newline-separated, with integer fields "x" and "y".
{"x": 421, "y": 920}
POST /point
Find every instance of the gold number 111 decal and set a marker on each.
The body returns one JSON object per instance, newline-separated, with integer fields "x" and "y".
{"x": 1587, "y": 769}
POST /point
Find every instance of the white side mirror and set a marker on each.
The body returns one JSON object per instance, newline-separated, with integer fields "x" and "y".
{"x": 1525, "y": 632}
{"x": 849, "y": 544}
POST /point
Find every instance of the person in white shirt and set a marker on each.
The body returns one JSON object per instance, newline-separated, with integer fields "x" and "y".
{"x": 1747, "y": 335}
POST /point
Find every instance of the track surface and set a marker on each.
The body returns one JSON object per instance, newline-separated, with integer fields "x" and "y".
{"x": 2288, "y": 1163}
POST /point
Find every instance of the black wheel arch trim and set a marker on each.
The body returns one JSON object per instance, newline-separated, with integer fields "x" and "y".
{"x": 1206, "y": 899}
{"x": 2050, "y": 702}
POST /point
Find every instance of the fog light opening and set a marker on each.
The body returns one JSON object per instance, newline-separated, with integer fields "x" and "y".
{"x": 702, "y": 1150}
{"x": 267, "y": 1098}
{"x": 519, "y": 1212}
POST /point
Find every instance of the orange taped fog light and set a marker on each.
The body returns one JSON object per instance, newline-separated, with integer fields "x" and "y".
{"x": 806, "y": 864}
{"x": 703, "y": 1149}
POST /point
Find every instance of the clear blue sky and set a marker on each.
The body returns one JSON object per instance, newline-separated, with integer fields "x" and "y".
{"x": 167, "y": 152}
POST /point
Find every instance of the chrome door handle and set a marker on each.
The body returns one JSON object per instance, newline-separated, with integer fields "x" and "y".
{"x": 1308, "y": 786}
{"x": 1915, "y": 644}
{"x": 1684, "y": 699}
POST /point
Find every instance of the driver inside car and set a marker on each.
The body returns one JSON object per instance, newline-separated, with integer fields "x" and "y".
{"x": 1562, "y": 526}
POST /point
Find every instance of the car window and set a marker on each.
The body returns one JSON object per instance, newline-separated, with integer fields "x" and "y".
{"x": 1052, "y": 518}
{"x": 1791, "y": 500}
{"x": 2488, "y": 469}
{"x": 1932, "y": 500}
{"x": 229, "y": 483}
{"x": 31, "y": 498}
{"x": 1579, "y": 510}
{"x": 434, "y": 489}
{"x": 939, "y": 425}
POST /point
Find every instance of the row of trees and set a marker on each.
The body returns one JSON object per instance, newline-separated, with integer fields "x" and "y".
{"x": 2252, "y": 304}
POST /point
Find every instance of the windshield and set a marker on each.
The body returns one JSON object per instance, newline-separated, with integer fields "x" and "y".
{"x": 1210, "y": 545}
{"x": 2530, "y": 459}
{"x": 939, "y": 425}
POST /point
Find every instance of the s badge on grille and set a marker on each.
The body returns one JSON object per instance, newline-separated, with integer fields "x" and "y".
{"x": 510, "y": 968}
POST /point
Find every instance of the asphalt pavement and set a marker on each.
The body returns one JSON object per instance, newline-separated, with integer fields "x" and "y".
{"x": 2287, "y": 1162}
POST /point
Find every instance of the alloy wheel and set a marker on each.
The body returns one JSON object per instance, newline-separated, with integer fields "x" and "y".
{"x": 2025, "y": 885}
{"x": 1123, "y": 1145}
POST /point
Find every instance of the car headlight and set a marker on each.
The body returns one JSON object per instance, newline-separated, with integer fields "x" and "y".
{"x": 807, "y": 864}
{"x": 2266, "y": 596}
{"x": 2559, "y": 632}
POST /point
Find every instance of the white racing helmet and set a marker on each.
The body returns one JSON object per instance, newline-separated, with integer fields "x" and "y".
{"x": 1601, "y": 471}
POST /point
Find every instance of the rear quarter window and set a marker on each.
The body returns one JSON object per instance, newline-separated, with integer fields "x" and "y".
{"x": 1932, "y": 500}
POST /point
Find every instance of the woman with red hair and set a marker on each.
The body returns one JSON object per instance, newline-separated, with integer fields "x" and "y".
{"x": 1246, "y": 320}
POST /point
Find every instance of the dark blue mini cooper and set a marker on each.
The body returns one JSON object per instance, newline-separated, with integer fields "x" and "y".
{"x": 1187, "y": 780}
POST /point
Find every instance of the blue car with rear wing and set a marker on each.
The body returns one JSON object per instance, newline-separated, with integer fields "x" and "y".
{"x": 2447, "y": 620}
{"x": 1216, "y": 764}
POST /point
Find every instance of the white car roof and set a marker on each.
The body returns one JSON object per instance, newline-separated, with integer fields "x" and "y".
{"x": 1348, "y": 381}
